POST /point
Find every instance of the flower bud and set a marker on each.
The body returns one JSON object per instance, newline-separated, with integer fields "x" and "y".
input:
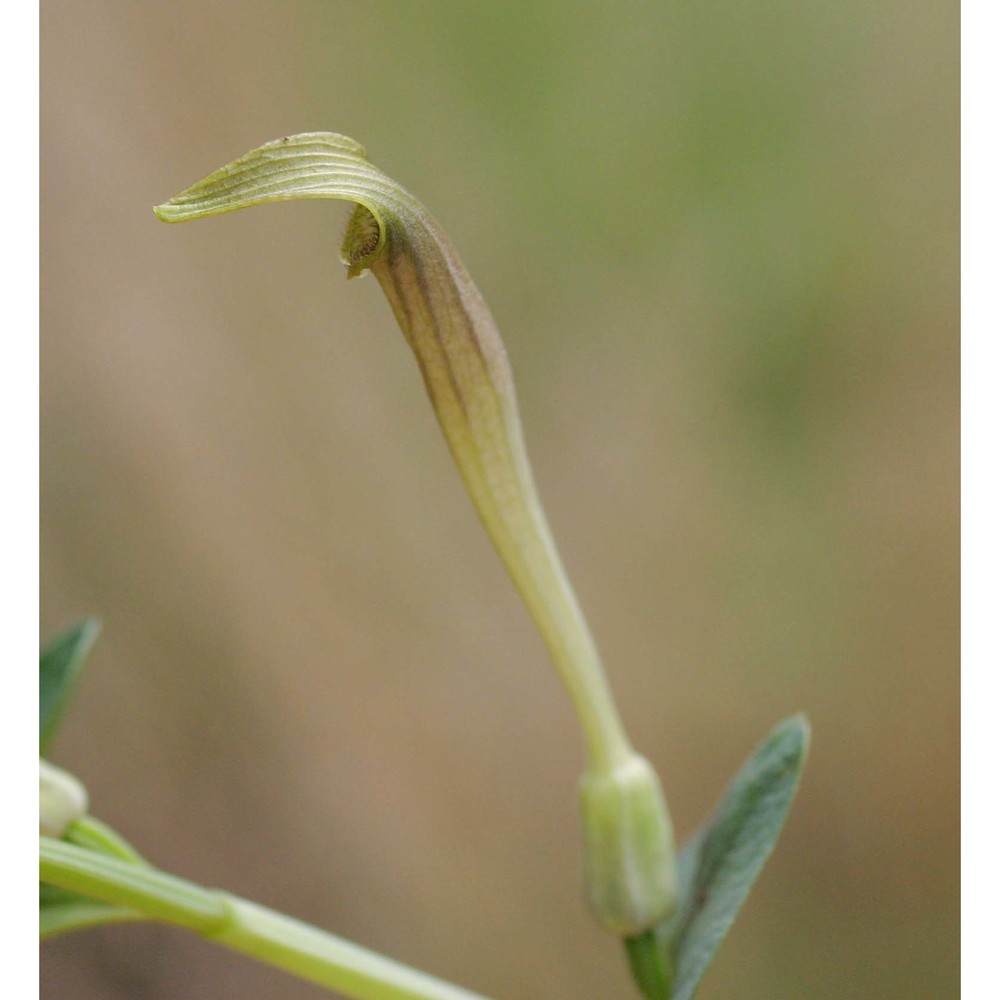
{"x": 630, "y": 862}
{"x": 62, "y": 799}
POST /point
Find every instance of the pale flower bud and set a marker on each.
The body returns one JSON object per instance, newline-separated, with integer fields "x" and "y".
{"x": 62, "y": 799}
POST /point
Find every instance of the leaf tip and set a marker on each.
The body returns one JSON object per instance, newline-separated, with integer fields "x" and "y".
{"x": 797, "y": 731}
{"x": 91, "y": 627}
{"x": 60, "y": 662}
{"x": 166, "y": 212}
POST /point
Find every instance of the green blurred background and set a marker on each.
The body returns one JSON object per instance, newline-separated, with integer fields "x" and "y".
{"x": 721, "y": 241}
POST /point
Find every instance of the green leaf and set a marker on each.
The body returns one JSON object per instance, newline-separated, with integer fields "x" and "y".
{"x": 719, "y": 865}
{"x": 61, "y": 911}
{"x": 60, "y": 663}
{"x": 90, "y": 832}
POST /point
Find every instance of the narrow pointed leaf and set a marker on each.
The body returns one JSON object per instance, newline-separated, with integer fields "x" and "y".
{"x": 61, "y": 662}
{"x": 91, "y": 833}
{"x": 719, "y": 865}
{"x": 61, "y": 912}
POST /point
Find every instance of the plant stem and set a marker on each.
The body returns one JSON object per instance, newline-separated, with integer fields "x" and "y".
{"x": 243, "y": 926}
{"x": 122, "y": 883}
{"x": 322, "y": 958}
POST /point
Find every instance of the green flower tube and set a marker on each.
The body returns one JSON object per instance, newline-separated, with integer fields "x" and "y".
{"x": 630, "y": 856}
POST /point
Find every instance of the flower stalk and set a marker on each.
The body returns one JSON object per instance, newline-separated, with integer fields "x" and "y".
{"x": 630, "y": 857}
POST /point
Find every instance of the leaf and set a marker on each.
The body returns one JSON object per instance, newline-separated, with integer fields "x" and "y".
{"x": 719, "y": 865}
{"x": 90, "y": 832}
{"x": 61, "y": 911}
{"x": 60, "y": 663}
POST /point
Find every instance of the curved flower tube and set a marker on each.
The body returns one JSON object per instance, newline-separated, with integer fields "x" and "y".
{"x": 630, "y": 859}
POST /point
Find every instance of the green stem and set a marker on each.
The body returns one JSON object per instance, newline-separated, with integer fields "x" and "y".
{"x": 649, "y": 964}
{"x": 243, "y": 926}
{"x": 121, "y": 883}
{"x": 322, "y": 958}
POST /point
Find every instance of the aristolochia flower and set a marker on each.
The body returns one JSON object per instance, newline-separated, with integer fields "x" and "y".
{"x": 630, "y": 858}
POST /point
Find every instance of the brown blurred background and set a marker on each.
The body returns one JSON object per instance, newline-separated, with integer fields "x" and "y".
{"x": 721, "y": 241}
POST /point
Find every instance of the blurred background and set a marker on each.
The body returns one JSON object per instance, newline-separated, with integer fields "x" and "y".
{"x": 721, "y": 242}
